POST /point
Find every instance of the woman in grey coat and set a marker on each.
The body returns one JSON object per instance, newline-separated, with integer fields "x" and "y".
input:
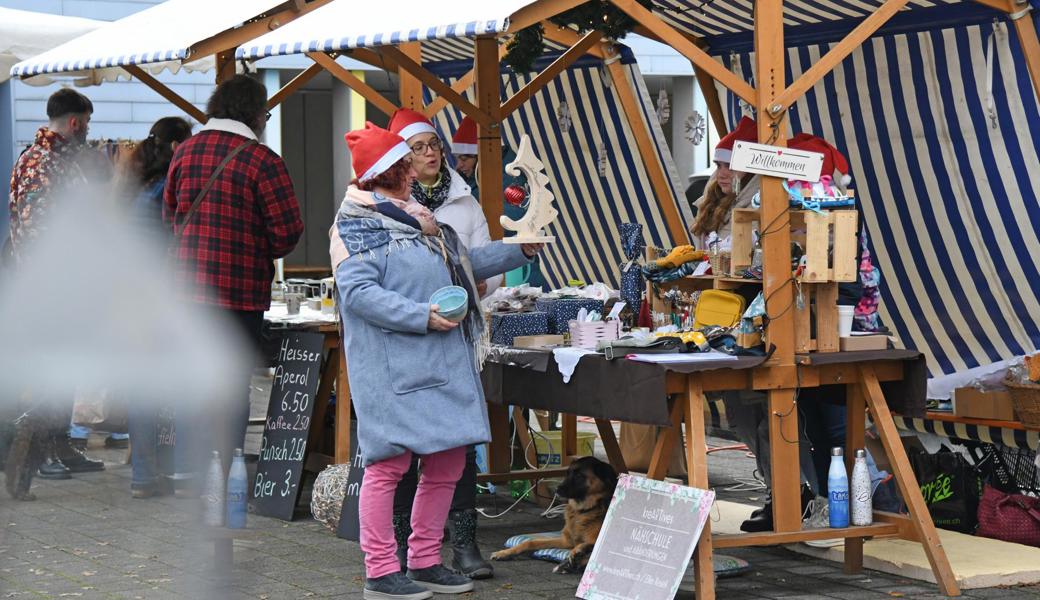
{"x": 413, "y": 374}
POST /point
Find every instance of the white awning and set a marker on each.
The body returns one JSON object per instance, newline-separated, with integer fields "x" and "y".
{"x": 25, "y": 34}
{"x": 341, "y": 25}
{"x": 157, "y": 38}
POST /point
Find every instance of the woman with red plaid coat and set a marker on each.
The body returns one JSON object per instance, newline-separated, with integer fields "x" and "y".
{"x": 224, "y": 248}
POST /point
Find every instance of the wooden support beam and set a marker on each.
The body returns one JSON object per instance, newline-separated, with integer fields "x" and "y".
{"x": 855, "y": 428}
{"x": 836, "y": 54}
{"x": 711, "y": 97}
{"x": 1025, "y": 26}
{"x": 489, "y": 135}
{"x": 178, "y": 101}
{"x": 294, "y": 85}
{"x": 225, "y": 65}
{"x": 672, "y": 37}
{"x": 611, "y": 446}
{"x": 410, "y": 85}
{"x": 460, "y": 87}
{"x": 343, "y": 406}
{"x": 666, "y": 439}
{"x": 233, "y": 38}
{"x": 370, "y": 58}
{"x": 697, "y": 476}
{"x": 407, "y": 64}
{"x": 550, "y": 72}
{"x": 353, "y": 82}
{"x": 566, "y": 37}
{"x": 1004, "y": 6}
{"x": 647, "y": 150}
{"x": 907, "y": 483}
{"x": 539, "y": 11}
{"x": 743, "y": 540}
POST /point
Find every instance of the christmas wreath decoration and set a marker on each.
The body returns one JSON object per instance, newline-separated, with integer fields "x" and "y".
{"x": 527, "y": 44}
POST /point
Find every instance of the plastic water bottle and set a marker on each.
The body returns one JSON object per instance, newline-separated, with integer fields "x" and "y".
{"x": 838, "y": 490}
{"x": 213, "y": 496}
{"x": 862, "y": 506}
{"x": 236, "y": 492}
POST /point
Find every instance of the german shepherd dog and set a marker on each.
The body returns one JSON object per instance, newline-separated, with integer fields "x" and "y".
{"x": 588, "y": 488}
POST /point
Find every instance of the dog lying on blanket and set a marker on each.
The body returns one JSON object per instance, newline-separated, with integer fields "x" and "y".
{"x": 588, "y": 488}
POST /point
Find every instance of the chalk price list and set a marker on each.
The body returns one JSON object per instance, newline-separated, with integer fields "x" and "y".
{"x": 288, "y": 421}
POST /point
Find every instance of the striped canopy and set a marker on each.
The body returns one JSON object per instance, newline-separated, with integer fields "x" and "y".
{"x": 594, "y": 166}
{"x": 949, "y": 189}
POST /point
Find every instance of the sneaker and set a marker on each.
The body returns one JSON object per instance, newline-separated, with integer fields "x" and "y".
{"x": 394, "y": 586}
{"x": 440, "y": 580}
{"x": 819, "y": 518}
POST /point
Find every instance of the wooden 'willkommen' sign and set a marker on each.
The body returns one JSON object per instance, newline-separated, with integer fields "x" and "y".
{"x": 647, "y": 540}
{"x": 283, "y": 449}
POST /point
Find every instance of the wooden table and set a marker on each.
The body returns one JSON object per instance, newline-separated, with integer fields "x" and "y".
{"x": 863, "y": 380}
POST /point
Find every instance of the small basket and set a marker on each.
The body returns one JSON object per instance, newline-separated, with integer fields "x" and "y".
{"x": 1025, "y": 397}
{"x": 720, "y": 263}
{"x": 586, "y": 334}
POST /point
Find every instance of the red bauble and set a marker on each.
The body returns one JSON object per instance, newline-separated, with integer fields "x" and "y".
{"x": 515, "y": 195}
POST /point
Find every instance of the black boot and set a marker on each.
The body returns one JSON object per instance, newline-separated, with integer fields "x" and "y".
{"x": 402, "y": 529}
{"x": 467, "y": 559}
{"x": 762, "y": 519}
{"x": 73, "y": 458}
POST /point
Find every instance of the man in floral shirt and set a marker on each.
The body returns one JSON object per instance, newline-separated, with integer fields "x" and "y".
{"x": 57, "y": 160}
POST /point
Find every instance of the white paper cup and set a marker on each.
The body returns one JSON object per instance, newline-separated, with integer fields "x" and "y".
{"x": 845, "y": 314}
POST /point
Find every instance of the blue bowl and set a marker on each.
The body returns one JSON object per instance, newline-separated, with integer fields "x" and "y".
{"x": 453, "y": 301}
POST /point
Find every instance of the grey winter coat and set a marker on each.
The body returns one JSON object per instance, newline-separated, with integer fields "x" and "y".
{"x": 412, "y": 389}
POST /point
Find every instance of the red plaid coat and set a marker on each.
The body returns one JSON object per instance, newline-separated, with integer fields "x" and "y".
{"x": 249, "y": 218}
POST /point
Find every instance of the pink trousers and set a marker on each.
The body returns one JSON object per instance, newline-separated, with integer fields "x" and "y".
{"x": 440, "y": 472}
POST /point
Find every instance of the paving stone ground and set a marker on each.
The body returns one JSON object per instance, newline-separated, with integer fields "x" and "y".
{"x": 86, "y": 538}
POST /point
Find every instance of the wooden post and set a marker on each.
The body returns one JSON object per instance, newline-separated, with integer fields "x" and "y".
{"x": 1026, "y": 26}
{"x": 225, "y": 65}
{"x": 411, "y": 88}
{"x": 343, "y": 408}
{"x": 777, "y": 285}
{"x": 855, "y": 427}
{"x": 697, "y": 476}
{"x": 647, "y": 150}
{"x": 489, "y": 155}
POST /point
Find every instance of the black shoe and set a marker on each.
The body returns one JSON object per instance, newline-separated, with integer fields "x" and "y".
{"x": 394, "y": 586}
{"x": 75, "y": 460}
{"x": 440, "y": 580}
{"x": 119, "y": 444}
{"x": 402, "y": 529}
{"x": 762, "y": 518}
{"x": 52, "y": 469}
{"x": 467, "y": 559}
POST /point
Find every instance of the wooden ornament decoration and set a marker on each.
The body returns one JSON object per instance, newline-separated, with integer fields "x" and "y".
{"x": 540, "y": 211}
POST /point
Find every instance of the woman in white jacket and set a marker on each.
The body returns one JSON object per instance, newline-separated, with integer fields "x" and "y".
{"x": 439, "y": 188}
{"x": 442, "y": 190}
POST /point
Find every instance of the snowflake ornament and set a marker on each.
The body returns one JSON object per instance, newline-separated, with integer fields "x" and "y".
{"x": 696, "y": 127}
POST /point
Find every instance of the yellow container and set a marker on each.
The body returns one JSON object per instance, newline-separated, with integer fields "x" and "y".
{"x": 548, "y": 445}
{"x": 718, "y": 307}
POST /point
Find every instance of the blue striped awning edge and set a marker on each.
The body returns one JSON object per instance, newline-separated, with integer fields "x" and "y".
{"x": 1010, "y": 438}
{"x": 105, "y": 62}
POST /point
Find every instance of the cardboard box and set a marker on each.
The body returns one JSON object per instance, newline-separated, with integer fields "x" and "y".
{"x": 976, "y": 404}
{"x": 537, "y": 341}
{"x": 864, "y": 342}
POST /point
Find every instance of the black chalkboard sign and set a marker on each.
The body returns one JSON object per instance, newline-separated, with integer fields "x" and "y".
{"x": 283, "y": 449}
{"x": 349, "y": 525}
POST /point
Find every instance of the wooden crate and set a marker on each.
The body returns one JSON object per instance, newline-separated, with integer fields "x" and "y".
{"x": 829, "y": 240}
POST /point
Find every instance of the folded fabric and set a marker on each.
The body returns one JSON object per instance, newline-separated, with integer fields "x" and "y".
{"x": 567, "y": 360}
{"x": 666, "y": 275}
{"x": 679, "y": 256}
{"x": 506, "y": 326}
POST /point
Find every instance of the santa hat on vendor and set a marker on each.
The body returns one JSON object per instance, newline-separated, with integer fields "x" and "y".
{"x": 407, "y": 122}
{"x": 465, "y": 139}
{"x": 833, "y": 159}
{"x": 745, "y": 131}
{"x": 373, "y": 150}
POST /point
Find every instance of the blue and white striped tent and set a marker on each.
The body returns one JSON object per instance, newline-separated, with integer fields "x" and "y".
{"x": 950, "y": 195}
{"x": 949, "y": 190}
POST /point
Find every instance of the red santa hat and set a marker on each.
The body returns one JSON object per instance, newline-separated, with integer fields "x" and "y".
{"x": 373, "y": 150}
{"x": 407, "y": 122}
{"x": 832, "y": 158}
{"x": 465, "y": 139}
{"x": 745, "y": 131}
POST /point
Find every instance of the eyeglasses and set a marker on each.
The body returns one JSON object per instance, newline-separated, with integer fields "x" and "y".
{"x": 420, "y": 147}
{"x": 267, "y": 117}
